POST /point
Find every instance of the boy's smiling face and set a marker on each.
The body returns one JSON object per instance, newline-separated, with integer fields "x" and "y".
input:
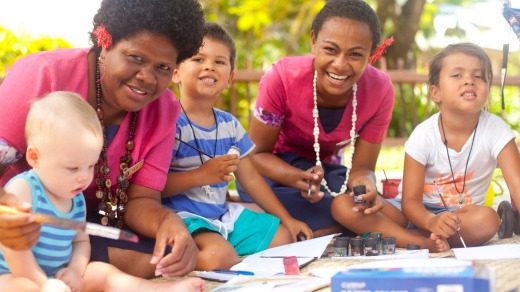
{"x": 208, "y": 73}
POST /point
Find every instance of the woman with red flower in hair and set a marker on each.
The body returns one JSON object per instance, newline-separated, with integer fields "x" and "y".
{"x": 124, "y": 77}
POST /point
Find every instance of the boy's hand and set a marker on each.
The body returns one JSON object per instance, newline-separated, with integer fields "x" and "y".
{"x": 310, "y": 183}
{"x": 298, "y": 229}
{"x": 445, "y": 224}
{"x": 219, "y": 169}
{"x": 71, "y": 278}
{"x": 17, "y": 232}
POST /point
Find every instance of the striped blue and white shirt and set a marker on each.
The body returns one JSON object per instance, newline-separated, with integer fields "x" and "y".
{"x": 54, "y": 248}
{"x": 230, "y": 133}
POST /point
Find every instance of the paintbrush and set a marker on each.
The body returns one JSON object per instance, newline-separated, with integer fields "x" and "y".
{"x": 87, "y": 227}
{"x": 447, "y": 210}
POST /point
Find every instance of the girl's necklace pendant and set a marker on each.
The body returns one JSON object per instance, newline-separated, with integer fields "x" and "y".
{"x": 461, "y": 200}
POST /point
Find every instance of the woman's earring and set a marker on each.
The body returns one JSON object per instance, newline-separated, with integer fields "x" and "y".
{"x": 104, "y": 69}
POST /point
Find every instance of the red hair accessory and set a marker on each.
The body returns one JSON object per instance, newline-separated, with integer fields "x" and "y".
{"x": 380, "y": 50}
{"x": 103, "y": 37}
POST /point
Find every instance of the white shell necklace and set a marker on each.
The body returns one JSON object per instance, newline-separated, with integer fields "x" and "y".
{"x": 316, "y": 133}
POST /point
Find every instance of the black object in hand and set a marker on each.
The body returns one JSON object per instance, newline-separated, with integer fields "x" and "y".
{"x": 359, "y": 190}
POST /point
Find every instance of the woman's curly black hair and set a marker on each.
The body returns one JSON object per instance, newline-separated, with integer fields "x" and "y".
{"x": 352, "y": 9}
{"x": 181, "y": 21}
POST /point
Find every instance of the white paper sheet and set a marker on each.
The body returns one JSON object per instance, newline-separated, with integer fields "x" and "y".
{"x": 488, "y": 252}
{"x": 270, "y": 261}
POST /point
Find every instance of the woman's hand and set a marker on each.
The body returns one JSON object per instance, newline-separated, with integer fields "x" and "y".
{"x": 310, "y": 183}
{"x": 372, "y": 200}
{"x": 182, "y": 258}
{"x": 18, "y": 231}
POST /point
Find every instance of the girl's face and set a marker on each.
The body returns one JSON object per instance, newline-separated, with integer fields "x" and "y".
{"x": 462, "y": 88}
{"x": 206, "y": 74}
{"x": 342, "y": 48}
{"x": 136, "y": 71}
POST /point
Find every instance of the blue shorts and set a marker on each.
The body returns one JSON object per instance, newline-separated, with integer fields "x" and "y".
{"x": 252, "y": 231}
{"x": 317, "y": 215}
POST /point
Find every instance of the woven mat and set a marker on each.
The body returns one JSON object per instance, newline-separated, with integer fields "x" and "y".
{"x": 507, "y": 272}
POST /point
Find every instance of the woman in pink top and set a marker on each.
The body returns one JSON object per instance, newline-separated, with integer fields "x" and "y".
{"x": 124, "y": 76}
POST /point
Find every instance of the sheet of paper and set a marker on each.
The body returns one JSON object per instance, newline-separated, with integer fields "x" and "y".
{"x": 307, "y": 248}
{"x": 399, "y": 254}
{"x": 274, "y": 284}
{"x": 266, "y": 266}
{"x": 270, "y": 261}
{"x": 488, "y": 252}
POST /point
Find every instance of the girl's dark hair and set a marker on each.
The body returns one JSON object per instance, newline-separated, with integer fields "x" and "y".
{"x": 352, "y": 9}
{"x": 467, "y": 49}
{"x": 181, "y": 21}
{"x": 218, "y": 33}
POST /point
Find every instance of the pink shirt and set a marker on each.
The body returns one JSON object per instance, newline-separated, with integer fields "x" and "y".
{"x": 286, "y": 90}
{"x": 67, "y": 69}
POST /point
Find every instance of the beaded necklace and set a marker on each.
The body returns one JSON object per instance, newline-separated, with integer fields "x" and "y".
{"x": 206, "y": 188}
{"x": 112, "y": 206}
{"x": 316, "y": 133}
{"x": 461, "y": 193}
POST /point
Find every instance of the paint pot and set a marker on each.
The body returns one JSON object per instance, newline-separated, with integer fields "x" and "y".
{"x": 290, "y": 264}
{"x": 359, "y": 190}
{"x": 356, "y": 247}
{"x": 341, "y": 246}
{"x": 388, "y": 245}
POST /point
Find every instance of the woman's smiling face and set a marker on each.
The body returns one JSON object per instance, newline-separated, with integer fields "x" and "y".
{"x": 342, "y": 48}
{"x": 136, "y": 71}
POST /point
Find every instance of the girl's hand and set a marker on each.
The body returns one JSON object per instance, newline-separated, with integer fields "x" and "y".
{"x": 298, "y": 229}
{"x": 445, "y": 224}
{"x": 71, "y": 278}
{"x": 309, "y": 184}
{"x": 372, "y": 200}
{"x": 219, "y": 169}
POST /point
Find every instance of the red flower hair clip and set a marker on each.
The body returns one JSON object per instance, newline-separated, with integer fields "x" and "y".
{"x": 103, "y": 37}
{"x": 380, "y": 50}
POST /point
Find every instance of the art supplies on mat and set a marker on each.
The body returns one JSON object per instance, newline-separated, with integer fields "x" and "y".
{"x": 87, "y": 227}
{"x": 414, "y": 275}
{"x": 399, "y": 254}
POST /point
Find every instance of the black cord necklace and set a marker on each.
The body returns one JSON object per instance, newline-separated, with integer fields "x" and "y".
{"x": 206, "y": 188}
{"x": 461, "y": 193}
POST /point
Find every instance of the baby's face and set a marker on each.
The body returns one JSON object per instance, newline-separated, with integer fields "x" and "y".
{"x": 67, "y": 161}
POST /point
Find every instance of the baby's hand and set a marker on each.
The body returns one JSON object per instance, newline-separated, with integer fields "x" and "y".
{"x": 71, "y": 278}
{"x": 55, "y": 285}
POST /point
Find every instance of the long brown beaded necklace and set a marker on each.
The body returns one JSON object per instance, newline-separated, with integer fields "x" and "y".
{"x": 112, "y": 206}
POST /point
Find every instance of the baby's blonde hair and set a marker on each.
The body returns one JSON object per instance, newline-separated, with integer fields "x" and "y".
{"x": 59, "y": 110}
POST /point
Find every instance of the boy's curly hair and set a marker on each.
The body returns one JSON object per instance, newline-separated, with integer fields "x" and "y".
{"x": 181, "y": 21}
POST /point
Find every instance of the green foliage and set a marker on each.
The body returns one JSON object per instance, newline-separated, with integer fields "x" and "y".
{"x": 13, "y": 47}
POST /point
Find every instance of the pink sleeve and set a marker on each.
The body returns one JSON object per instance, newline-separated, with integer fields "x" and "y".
{"x": 28, "y": 78}
{"x": 271, "y": 92}
{"x": 375, "y": 129}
